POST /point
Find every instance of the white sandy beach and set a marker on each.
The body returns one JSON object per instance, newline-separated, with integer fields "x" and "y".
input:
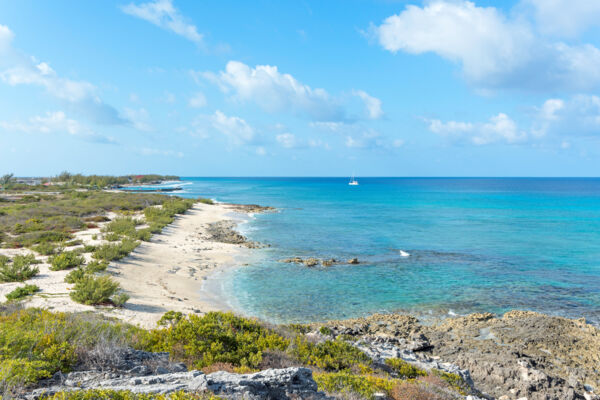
{"x": 164, "y": 274}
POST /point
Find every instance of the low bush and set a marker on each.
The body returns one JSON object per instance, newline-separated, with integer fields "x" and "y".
{"x": 93, "y": 290}
{"x": 35, "y": 343}
{"x": 205, "y": 201}
{"x": 66, "y": 260}
{"x": 110, "y": 252}
{"x": 96, "y": 266}
{"x": 123, "y": 226}
{"x": 415, "y": 391}
{"x": 348, "y": 383}
{"x": 46, "y": 249}
{"x": 201, "y": 341}
{"x": 30, "y": 239}
{"x": 143, "y": 234}
{"x": 404, "y": 369}
{"x": 331, "y": 355}
{"x": 453, "y": 380}
{"x": 22, "y": 292}
{"x": 20, "y": 270}
{"x": 75, "y": 275}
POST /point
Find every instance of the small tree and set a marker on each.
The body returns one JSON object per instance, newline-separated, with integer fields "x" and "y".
{"x": 6, "y": 180}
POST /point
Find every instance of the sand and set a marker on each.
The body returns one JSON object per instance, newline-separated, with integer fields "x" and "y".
{"x": 167, "y": 273}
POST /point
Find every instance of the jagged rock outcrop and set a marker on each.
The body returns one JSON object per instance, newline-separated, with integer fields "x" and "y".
{"x": 286, "y": 383}
{"x": 224, "y": 232}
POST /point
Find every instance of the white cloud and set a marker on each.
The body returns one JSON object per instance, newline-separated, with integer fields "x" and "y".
{"x": 579, "y": 115}
{"x": 54, "y": 123}
{"x": 327, "y": 125}
{"x": 6, "y": 37}
{"x": 51, "y": 122}
{"x": 368, "y": 139}
{"x": 139, "y": 119}
{"x": 169, "y": 98}
{"x": 275, "y": 91}
{"x": 398, "y": 143}
{"x": 500, "y": 128}
{"x": 372, "y": 104}
{"x": 17, "y": 69}
{"x": 287, "y": 140}
{"x": 494, "y": 51}
{"x": 163, "y": 14}
{"x": 237, "y": 130}
{"x": 565, "y": 17}
{"x": 554, "y": 120}
{"x": 261, "y": 151}
{"x": 198, "y": 100}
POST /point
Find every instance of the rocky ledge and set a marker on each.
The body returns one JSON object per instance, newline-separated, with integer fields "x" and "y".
{"x": 521, "y": 355}
{"x": 143, "y": 372}
{"x": 224, "y": 232}
{"x": 250, "y": 208}
{"x": 313, "y": 262}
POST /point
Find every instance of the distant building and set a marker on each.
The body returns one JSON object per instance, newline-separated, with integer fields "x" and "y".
{"x": 29, "y": 181}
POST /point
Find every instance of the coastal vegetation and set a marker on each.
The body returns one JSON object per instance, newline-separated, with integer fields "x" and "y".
{"x": 48, "y": 224}
{"x": 19, "y": 270}
{"x": 36, "y": 344}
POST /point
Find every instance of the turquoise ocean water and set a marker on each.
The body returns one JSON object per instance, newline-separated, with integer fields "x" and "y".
{"x": 474, "y": 245}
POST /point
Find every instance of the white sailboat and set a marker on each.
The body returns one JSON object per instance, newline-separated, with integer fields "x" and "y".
{"x": 353, "y": 182}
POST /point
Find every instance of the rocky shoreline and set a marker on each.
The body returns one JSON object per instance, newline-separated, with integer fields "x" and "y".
{"x": 521, "y": 355}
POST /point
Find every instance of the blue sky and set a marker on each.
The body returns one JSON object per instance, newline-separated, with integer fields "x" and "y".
{"x": 324, "y": 88}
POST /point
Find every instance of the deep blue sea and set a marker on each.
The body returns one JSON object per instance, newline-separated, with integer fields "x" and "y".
{"x": 474, "y": 244}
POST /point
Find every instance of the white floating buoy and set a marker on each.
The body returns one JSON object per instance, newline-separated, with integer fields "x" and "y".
{"x": 404, "y": 253}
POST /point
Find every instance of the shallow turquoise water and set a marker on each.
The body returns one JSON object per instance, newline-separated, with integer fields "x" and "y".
{"x": 475, "y": 245}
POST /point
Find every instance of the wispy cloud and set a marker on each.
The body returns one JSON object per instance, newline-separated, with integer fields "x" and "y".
{"x": 81, "y": 96}
{"x": 163, "y": 14}
{"x": 55, "y": 122}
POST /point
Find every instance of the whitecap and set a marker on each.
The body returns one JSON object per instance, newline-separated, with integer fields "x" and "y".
{"x": 404, "y": 253}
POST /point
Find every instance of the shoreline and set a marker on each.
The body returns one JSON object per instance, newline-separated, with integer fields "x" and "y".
{"x": 170, "y": 272}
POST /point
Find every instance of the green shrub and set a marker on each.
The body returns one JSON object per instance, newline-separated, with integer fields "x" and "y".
{"x": 347, "y": 383}
{"x": 75, "y": 275}
{"x": 143, "y": 234}
{"x": 96, "y": 266}
{"x": 120, "y": 299}
{"x": 123, "y": 226}
{"x": 36, "y": 343}
{"x": 205, "y": 201}
{"x": 66, "y": 260}
{"x": 454, "y": 380}
{"x": 404, "y": 369}
{"x": 22, "y": 292}
{"x": 93, "y": 290}
{"x": 215, "y": 337}
{"x": 110, "y": 252}
{"x": 112, "y": 237}
{"x": 20, "y": 270}
{"x": 107, "y": 394}
{"x": 331, "y": 355}
{"x": 32, "y": 238}
{"x": 46, "y": 249}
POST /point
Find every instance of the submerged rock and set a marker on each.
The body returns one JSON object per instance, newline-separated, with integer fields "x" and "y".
{"x": 353, "y": 261}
